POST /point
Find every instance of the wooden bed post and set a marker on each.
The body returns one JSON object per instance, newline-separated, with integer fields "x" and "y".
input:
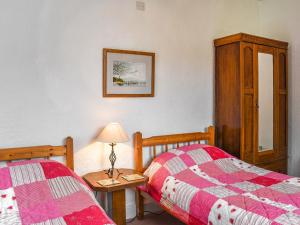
{"x": 138, "y": 152}
{"x": 211, "y": 131}
{"x": 69, "y": 153}
{"x": 138, "y": 159}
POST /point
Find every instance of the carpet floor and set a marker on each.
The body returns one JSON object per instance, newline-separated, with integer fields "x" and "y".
{"x": 152, "y": 219}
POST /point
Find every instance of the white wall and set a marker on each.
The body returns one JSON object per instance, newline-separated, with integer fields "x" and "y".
{"x": 280, "y": 19}
{"x": 51, "y": 69}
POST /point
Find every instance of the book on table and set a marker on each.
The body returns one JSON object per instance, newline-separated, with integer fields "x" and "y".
{"x": 108, "y": 182}
{"x": 133, "y": 177}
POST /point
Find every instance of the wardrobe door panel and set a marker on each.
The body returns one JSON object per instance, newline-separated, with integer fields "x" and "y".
{"x": 227, "y": 98}
{"x": 249, "y": 128}
{"x": 282, "y": 69}
{"x": 282, "y": 121}
{"x": 248, "y": 65}
{"x": 248, "y": 102}
{"x": 282, "y": 103}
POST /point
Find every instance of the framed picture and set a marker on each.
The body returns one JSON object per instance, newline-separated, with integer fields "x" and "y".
{"x": 128, "y": 73}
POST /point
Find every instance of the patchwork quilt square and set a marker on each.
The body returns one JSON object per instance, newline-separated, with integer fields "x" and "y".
{"x": 264, "y": 181}
{"x": 257, "y": 170}
{"x": 8, "y": 199}
{"x": 228, "y": 179}
{"x": 187, "y": 159}
{"x": 26, "y": 174}
{"x": 157, "y": 180}
{"x": 165, "y": 158}
{"x": 193, "y": 179}
{"x": 200, "y": 206}
{"x": 152, "y": 169}
{"x": 5, "y": 179}
{"x": 286, "y": 188}
{"x": 175, "y": 165}
{"x": 55, "y": 169}
{"x": 195, "y": 169}
{"x": 294, "y": 180}
{"x": 88, "y": 216}
{"x": 36, "y": 202}
{"x": 226, "y": 165}
{"x": 254, "y": 206}
{"x": 73, "y": 203}
{"x": 211, "y": 169}
{"x": 63, "y": 186}
{"x": 277, "y": 176}
{"x": 286, "y": 207}
{"x": 192, "y": 147}
{"x": 243, "y": 175}
{"x": 288, "y": 218}
{"x": 9, "y": 210}
{"x": 220, "y": 191}
{"x": 216, "y": 153}
{"x": 13, "y": 218}
{"x": 269, "y": 193}
{"x": 240, "y": 164}
{"x": 199, "y": 156}
{"x": 224, "y": 213}
{"x": 247, "y": 186}
{"x": 292, "y": 199}
{"x": 179, "y": 192}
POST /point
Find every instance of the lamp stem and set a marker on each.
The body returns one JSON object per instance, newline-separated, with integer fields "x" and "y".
{"x": 112, "y": 159}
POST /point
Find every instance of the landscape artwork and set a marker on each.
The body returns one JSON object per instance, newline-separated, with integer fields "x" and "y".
{"x": 129, "y": 74}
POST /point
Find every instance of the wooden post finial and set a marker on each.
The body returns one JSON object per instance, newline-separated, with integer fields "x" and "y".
{"x": 69, "y": 153}
{"x": 138, "y": 151}
{"x": 211, "y": 131}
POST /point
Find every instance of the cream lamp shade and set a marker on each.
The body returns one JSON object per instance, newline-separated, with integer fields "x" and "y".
{"x": 113, "y": 133}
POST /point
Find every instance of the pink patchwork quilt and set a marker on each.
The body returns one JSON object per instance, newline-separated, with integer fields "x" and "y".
{"x": 201, "y": 184}
{"x": 44, "y": 192}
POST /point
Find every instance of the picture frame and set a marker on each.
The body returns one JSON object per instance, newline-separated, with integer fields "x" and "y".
{"x": 128, "y": 73}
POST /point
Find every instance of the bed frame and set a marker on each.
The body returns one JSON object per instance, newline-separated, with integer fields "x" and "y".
{"x": 165, "y": 141}
{"x": 44, "y": 151}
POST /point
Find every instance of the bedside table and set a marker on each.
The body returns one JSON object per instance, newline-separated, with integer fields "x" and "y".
{"x": 118, "y": 190}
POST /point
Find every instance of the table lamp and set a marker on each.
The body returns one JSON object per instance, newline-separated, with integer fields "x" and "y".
{"x": 113, "y": 133}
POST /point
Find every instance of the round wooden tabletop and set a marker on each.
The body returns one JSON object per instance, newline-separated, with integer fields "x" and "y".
{"x": 92, "y": 178}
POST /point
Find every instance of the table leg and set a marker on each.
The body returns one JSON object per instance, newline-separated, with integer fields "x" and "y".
{"x": 118, "y": 207}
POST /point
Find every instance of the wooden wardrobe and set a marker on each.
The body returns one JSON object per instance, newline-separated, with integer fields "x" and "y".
{"x": 251, "y": 99}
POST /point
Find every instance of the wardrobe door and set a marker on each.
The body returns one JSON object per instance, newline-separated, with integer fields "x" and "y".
{"x": 266, "y": 102}
{"x": 227, "y": 98}
{"x": 248, "y": 112}
{"x": 282, "y": 103}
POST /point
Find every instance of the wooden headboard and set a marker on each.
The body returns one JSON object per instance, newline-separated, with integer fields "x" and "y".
{"x": 166, "y": 140}
{"x": 44, "y": 151}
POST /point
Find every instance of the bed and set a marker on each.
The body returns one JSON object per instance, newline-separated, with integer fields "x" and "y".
{"x": 37, "y": 190}
{"x": 201, "y": 184}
